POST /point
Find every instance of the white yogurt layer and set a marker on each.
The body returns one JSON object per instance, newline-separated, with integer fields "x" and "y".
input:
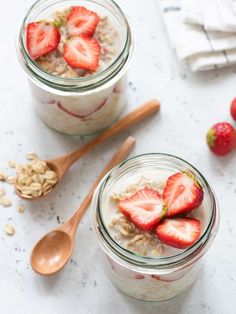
{"x": 151, "y": 287}
{"x": 116, "y": 223}
{"x": 80, "y": 115}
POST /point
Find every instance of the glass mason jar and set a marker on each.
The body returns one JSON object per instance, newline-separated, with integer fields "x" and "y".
{"x": 152, "y": 278}
{"x": 84, "y": 105}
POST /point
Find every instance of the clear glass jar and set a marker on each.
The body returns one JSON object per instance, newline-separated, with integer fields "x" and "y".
{"x": 84, "y": 105}
{"x": 152, "y": 278}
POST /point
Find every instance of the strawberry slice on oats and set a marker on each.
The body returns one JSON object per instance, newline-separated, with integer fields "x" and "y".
{"x": 81, "y": 21}
{"x": 182, "y": 194}
{"x": 82, "y": 52}
{"x": 179, "y": 233}
{"x": 41, "y": 38}
{"x": 144, "y": 208}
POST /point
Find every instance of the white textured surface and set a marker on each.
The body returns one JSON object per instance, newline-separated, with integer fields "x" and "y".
{"x": 190, "y": 104}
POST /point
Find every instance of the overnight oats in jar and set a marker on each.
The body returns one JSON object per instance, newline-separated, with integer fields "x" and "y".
{"x": 76, "y": 55}
{"x": 154, "y": 216}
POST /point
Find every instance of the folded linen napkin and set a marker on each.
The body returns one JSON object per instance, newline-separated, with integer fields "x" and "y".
{"x": 214, "y": 15}
{"x": 202, "y": 49}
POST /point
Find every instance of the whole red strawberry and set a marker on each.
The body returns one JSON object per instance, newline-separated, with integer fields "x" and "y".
{"x": 221, "y": 138}
{"x": 233, "y": 109}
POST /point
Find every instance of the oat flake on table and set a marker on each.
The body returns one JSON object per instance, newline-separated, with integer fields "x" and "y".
{"x": 5, "y": 202}
{"x": 2, "y": 192}
{"x": 3, "y": 176}
{"x": 21, "y": 208}
{"x": 9, "y": 229}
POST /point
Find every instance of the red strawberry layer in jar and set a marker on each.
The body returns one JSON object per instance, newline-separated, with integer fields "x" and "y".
{"x": 74, "y": 42}
{"x": 156, "y": 213}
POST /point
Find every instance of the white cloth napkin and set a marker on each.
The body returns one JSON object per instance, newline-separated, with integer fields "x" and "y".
{"x": 214, "y": 15}
{"x": 202, "y": 49}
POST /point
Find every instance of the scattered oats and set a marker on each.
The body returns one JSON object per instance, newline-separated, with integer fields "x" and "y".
{"x": 155, "y": 252}
{"x": 38, "y": 167}
{"x": 35, "y": 186}
{"x": 120, "y": 196}
{"x": 9, "y": 229}
{"x": 149, "y": 236}
{"x": 26, "y": 196}
{"x": 11, "y": 180}
{"x": 21, "y": 208}
{"x": 49, "y": 174}
{"x": 47, "y": 191}
{"x": 140, "y": 242}
{"x": 31, "y": 156}
{"x": 24, "y": 190}
{"x": 160, "y": 248}
{"x": 124, "y": 232}
{"x": 5, "y": 202}
{"x": 46, "y": 65}
{"x": 112, "y": 223}
{"x": 140, "y": 184}
{"x": 12, "y": 164}
{"x": 3, "y": 176}
{"x": 60, "y": 17}
{"x": 2, "y": 192}
{"x": 134, "y": 238}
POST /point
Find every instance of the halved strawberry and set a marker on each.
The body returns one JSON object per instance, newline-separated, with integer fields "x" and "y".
{"x": 179, "y": 232}
{"x": 81, "y": 21}
{"x": 144, "y": 208}
{"x": 82, "y": 52}
{"x": 41, "y": 38}
{"x": 182, "y": 193}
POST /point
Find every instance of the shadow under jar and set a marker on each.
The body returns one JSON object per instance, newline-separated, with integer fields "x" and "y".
{"x": 87, "y": 104}
{"x": 151, "y": 278}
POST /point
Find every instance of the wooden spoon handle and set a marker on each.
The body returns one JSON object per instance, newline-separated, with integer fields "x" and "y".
{"x": 120, "y": 155}
{"x": 132, "y": 118}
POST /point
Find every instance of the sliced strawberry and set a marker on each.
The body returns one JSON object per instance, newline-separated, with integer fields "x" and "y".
{"x": 144, "y": 208}
{"x": 173, "y": 276}
{"x": 41, "y": 38}
{"x": 138, "y": 276}
{"x": 81, "y": 115}
{"x": 182, "y": 193}
{"x": 81, "y": 21}
{"x": 179, "y": 232}
{"x": 82, "y": 52}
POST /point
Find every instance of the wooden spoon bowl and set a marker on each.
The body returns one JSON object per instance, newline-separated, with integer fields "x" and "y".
{"x": 52, "y": 252}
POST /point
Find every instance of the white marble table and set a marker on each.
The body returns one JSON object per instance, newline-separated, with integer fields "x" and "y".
{"x": 190, "y": 104}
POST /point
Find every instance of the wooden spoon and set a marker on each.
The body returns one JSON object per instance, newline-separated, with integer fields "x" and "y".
{"x": 52, "y": 252}
{"x": 62, "y": 164}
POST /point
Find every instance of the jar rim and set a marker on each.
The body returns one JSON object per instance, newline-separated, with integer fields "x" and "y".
{"x": 81, "y": 83}
{"x": 117, "y": 251}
